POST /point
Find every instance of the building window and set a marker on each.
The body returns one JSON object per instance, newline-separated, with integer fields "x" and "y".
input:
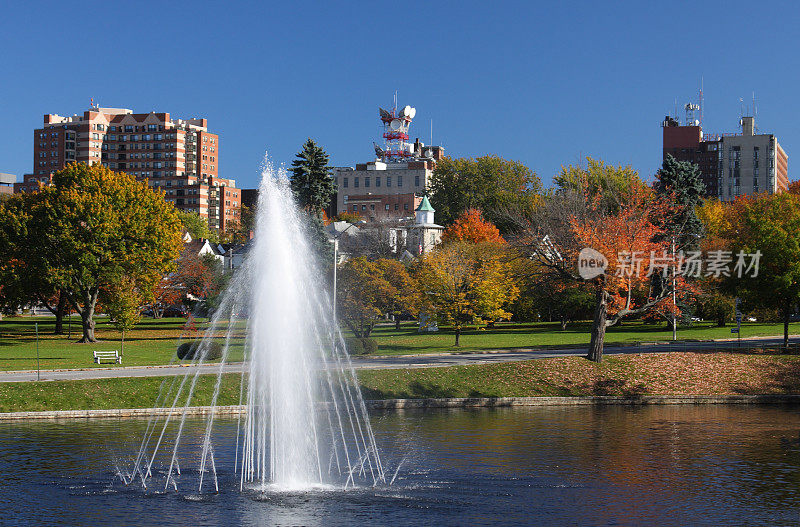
{"x": 366, "y": 182}
{"x": 363, "y": 207}
{"x": 344, "y": 182}
{"x": 355, "y": 208}
{"x": 416, "y": 181}
{"x": 405, "y": 206}
{"x": 387, "y": 206}
{"x": 399, "y": 181}
{"x": 377, "y": 181}
{"x": 355, "y": 182}
{"x": 396, "y": 206}
{"x": 388, "y": 181}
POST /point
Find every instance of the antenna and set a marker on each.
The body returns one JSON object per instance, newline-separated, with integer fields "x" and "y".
{"x": 700, "y": 102}
{"x": 431, "y": 132}
{"x": 395, "y": 100}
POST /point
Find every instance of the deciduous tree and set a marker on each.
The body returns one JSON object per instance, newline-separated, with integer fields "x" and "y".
{"x": 608, "y": 209}
{"x": 467, "y": 284}
{"x": 489, "y": 183}
{"x": 93, "y": 226}
{"x": 368, "y": 290}
{"x": 471, "y": 227}
{"x": 123, "y": 301}
{"x": 770, "y": 225}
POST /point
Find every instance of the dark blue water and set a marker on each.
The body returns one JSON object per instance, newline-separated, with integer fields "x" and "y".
{"x": 682, "y": 465}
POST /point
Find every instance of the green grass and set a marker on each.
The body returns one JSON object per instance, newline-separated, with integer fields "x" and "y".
{"x": 131, "y": 392}
{"x": 550, "y": 335}
{"x": 152, "y": 342}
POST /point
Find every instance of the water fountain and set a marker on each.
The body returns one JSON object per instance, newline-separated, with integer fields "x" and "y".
{"x": 304, "y": 423}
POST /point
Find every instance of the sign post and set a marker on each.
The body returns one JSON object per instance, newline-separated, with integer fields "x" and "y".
{"x": 38, "y": 376}
{"x": 738, "y": 322}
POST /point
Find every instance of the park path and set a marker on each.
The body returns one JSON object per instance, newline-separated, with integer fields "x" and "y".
{"x": 438, "y": 360}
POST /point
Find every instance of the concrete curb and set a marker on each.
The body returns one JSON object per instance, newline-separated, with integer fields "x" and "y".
{"x": 410, "y": 404}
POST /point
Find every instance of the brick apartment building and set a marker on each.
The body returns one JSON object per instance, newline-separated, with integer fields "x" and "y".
{"x": 732, "y": 164}
{"x": 179, "y": 156}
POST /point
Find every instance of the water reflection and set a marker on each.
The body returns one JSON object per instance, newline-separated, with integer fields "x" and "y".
{"x": 610, "y": 465}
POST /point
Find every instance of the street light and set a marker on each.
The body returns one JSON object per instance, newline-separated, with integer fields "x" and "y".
{"x": 674, "y": 301}
{"x": 335, "y": 242}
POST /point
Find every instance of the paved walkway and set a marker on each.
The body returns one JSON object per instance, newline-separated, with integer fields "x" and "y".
{"x": 438, "y": 360}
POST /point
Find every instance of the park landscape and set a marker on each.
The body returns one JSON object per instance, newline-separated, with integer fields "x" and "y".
{"x": 500, "y": 333}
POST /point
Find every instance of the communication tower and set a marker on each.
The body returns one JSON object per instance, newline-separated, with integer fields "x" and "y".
{"x": 395, "y": 134}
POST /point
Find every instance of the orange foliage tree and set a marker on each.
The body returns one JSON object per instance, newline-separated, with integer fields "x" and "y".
{"x": 635, "y": 247}
{"x": 473, "y": 228}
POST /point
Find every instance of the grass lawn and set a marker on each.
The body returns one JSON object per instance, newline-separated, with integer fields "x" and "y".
{"x": 154, "y": 342}
{"x": 630, "y": 375}
{"x": 544, "y": 335}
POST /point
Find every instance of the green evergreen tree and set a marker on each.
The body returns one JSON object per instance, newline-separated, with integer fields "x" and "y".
{"x": 683, "y": 181}
{"x": 311, "y": 179}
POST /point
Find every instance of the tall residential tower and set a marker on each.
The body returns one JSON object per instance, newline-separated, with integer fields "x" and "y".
{"x": 179, "y": 156}
{"x": 732, "y": 164}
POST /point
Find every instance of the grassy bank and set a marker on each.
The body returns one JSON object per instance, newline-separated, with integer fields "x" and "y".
{"x": 630, "y": 375}
{"x": 102, "y": 394}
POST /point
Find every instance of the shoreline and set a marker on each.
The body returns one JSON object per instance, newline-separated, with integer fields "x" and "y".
{"x": 430, "y": 403}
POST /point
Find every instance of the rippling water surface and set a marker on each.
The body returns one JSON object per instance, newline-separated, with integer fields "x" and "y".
{"x": 681, "y": 465}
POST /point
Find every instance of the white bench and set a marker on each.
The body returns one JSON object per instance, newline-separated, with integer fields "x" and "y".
{"x": 112, "y": 356}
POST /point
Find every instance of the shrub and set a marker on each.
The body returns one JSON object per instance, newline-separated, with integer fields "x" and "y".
{"x": 354, "y": 346}
{"x": 369, "y": 345}
{"x": 187, "y": 350}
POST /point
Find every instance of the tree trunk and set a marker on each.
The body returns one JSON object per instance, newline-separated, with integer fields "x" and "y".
{"x": 122, "y": 347}
{"x": 564, "y": 321}
{"x": 60, "y": 308}
{"x": 397, "y": 322}
{"x": 458, "y": 336}
{"x": 599, "y": 326}
{"x": 87, "y": 316}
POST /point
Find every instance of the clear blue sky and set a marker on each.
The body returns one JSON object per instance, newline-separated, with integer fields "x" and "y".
{"x": 546, "y": 83}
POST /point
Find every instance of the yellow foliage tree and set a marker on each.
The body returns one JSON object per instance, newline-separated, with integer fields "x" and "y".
{"x": 467, "y": 284}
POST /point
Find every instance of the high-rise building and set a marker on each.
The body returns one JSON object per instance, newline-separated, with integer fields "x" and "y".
{"x": 391, "y": 186}
{"x": 732, "y": 164}
{"x": 179, "y": 156}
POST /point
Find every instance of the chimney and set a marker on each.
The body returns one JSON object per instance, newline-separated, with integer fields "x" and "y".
{"x": 748, "y": 125}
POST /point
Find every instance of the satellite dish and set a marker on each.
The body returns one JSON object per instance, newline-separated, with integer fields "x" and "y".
{"x": 406, "y": 111}
{"x": 396, "y": 124}
{"x": 411, "y": 113}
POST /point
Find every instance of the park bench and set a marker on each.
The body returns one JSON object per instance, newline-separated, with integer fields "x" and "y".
{"x": 107, "y": 356}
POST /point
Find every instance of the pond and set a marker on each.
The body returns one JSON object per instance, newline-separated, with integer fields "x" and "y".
{"x": 651, "y": 465}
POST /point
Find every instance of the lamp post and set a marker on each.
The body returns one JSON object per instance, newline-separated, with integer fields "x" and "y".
{"x": 335, "y": 242}
{"x": 674, "y": 301}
